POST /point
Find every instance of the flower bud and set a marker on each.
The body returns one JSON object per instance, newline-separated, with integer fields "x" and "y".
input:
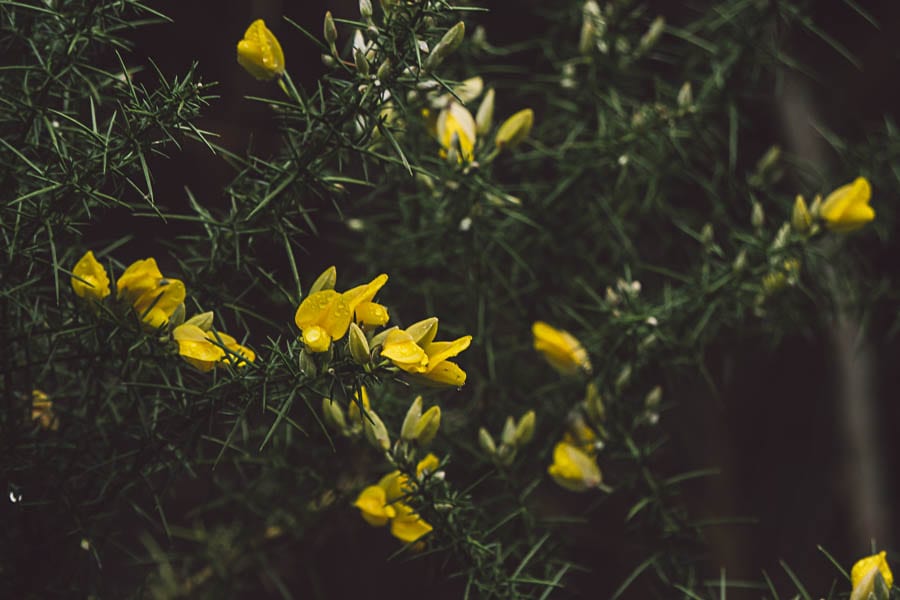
{"x": 413, "y": 415}
{"x": 508, "y": 437}
{"x": 423, "y": 332}
{"x": 365, "y": 9}
{"x": 781, "y": 237}
{"x": 384, "y": 69}
{"x": 428, "y": 426}
{"x": 525, "y": 429}
{"x": 624, "y": 378}
{"x": 306, "y": 363}
{"x": 514, "y": 129}
{"x": 333, "y": 415}
{"x": 375, "y": 431}
{"x": 707, "y": 235}
{"x": 202, "y": 320}
{"x": 362, "y": 65}
{"x": 177, "y": 317}
{"x": 325, "y": 281}
{"x": 654, "y": 32}
{"x": 757, "y": 215}
{"x": 359, "y": 347}
{"x": 486, "y": 442}
{"x": 260, "y": 53}
{"x": 740, "y": 262}
{"x": 329, "y": 29}
{"x": 484, "y": 118}
{"x": 593, "y": 404}
{"x": 653, "y": 399}
{"x": 685, "y": 96}
{"x": 801, "y": 220}
{"x": 444, "y": 48}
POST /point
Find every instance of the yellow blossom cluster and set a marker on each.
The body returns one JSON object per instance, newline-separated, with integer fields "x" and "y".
{"x": 326, "y": 315}
{"x": 458, "y": 131}
{"x": 158, "y": 302}
{"x": 383, "y": 503}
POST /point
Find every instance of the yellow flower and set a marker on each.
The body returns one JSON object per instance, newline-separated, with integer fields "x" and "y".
{"x": 455, "y": 129}
{"x": 560, "y": 348}
{"x": 153, "y": 297}
{"x": 203, "y": 349}
{"x": 325, "y": 315}
{"x": 408, "y": 526}
{"x": 89, "y": 278}
{"x": 381, "y": 503}
{"x": 373, "y": 505}
{"x": 573, "y": 469}
{"x": 847, "y": 208}
{"x": 414, "y": 351}
{"x": 260, "y": 53}
{"x": 42, "y": 411}
{"x": 862, "y": 576}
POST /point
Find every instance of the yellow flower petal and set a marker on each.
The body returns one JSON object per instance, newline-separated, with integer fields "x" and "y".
{"x": 445, "y": 374}
{"x": 429, "y": 464}
{"x": 439, "y": 351}
{"x": 407, "y": 526}
{"x": 865, "y": 566}
{"x": 316, "y": 339}
{"x": 157, "y": 304}
{"x": 400, "y": 348}
{"x": 372, "y": 314}
{"x": 560, "y": 348}
{"x": 140, "y": 277}
{"x": 89, "y": 278}
{"x": 847, "y": 208}
{"x": 455, "y": 125}
{"x": 372, "y": 503}
{"x": 260, "y": 53}
{"x": 573, "y": 469}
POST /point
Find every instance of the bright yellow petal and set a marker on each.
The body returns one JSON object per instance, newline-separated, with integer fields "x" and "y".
{"x": 445, "y": 374}
{"x": 561, "y": 349}
{"x": 337, "y": 318}
{"x": 157, "y": 304}
{"x": 316, "y": 339}
{"x": 843, "y": 208}
{"x": 573, "y": 469}
{"x": 372, "y": 503}
{"x": 865, "y": 565}
{"x": 407, "y": 526}
{"x": 429, "y": 464}
{"x": 439, "y": 351}
{"x": 140, "y": 277}
{"x": 89, "y": 278}
{"x": 313, "y": 308}
{"x": 372, "y": 314}
{"x": 400, "y": 348}
{"x": 195, "y": 348}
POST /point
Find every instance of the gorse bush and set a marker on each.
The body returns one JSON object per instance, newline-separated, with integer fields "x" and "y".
{"x": 529, "y": 267}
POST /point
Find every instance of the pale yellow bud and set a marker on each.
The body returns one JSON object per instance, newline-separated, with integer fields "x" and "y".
{"x": 359, "y": 347}
{"x": 484, "y": 118}
{"x": 411, "y": 422}
{"x": 514, "y": 129}
{"x": 486, "y": 442}
{"x": 375, "y": 431}
{"x": 801, "y": 219}
{"x": 525, "y": 428}
{"x": 333, "y": 415}
{"x": 325, "y": 281}
{"x": 202, "y": 320}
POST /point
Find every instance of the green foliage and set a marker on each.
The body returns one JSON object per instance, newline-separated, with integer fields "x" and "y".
{"x": 645, "y": 211}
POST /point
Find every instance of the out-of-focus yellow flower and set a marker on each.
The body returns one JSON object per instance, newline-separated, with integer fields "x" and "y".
{"x": 581, "y": 435}
{"x": 456, "y": 131}
{"x": 373, "y": 505}
{"x": 560, "y": 348}
{"x": 862, "y": 576}
{"x": 408, "y": 526}
{"x": 201, "y": 349}
{"x": 847, "y": 208}
{"x": 260, "y": 53}
{"x": 514, "y": 129}
{"x": 154, "y": 298}
{"x": 801, "y": 219}
{"x": 89, "y": 278}
{"x": 381, "y": 503}
{"x": 42, "y": 411}
{"x": 573, "y": 469}
{"x": 324, "y": 316}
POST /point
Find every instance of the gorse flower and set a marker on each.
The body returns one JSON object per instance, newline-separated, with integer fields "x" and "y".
{"x": 456, "y": 132}
{"x": 864, "y": 574}
{"x": 415, "y": 351}
{"x": 153, "y": 297}
{"x": 89, "y": 278}
{"x": 560, "y": 348}
{"x": 205, "y": 349}
{"x": 324, "y": 316}
{"x": 847, "y": 208}
{"x": 574, "y": 469}
{"x": 260, "y": 53}
{"x": 381, "y": 503}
